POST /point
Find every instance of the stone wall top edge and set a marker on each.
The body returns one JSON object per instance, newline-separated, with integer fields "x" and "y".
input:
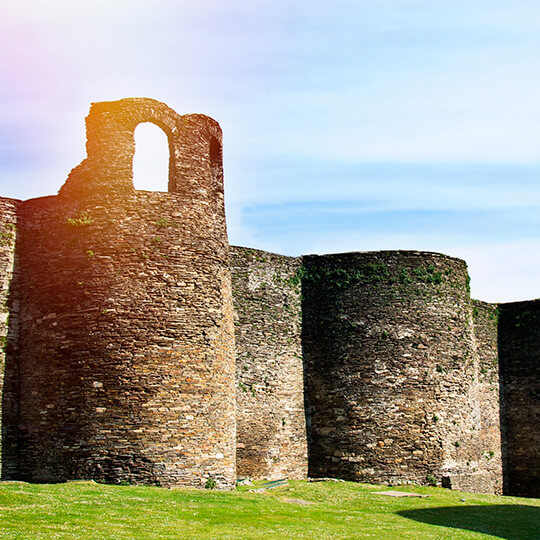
{"x": 483, "y": 304}
{"x": 125, "y": 196}
{"x": 388, "y": 253}
{"x": 165, "y": 194}
{"x": 38, "y": 199}
{"x": 97, "y": 106}
{"x": 262, "y": 251}
{"x": 10, "y": 199}
{"x": 520, "y": 303}
{"x": 509, "y": 305}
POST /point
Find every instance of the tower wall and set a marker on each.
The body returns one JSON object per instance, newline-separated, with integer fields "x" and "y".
{"x": 127, "y": 337}
{"x": 519, "y": 360}
{"x": 271, "y": 430}
{"x": 9, "y": 323}
{"x": 118, "y": 360}
{"x": 391, "y": 369}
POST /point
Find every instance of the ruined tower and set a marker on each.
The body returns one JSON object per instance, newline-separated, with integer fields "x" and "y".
{"x": 125, "y": 357}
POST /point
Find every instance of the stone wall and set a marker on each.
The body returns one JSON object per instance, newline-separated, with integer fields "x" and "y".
{"x": 195, "y": 162}
{"x": 126, "y": 354}
{"x": 118, "y": 358}
{"x": 519, "y": 360}
{"x": 9, "y": 317}
{"x": 485, "y": 317}
{"x": 391, "y": 369}
{"x": 271, "y": 427}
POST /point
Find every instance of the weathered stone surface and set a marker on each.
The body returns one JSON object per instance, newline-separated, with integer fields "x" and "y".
{"x": 126, "y": 351}
{"x": 271, "y": 430}
{"x": 118, "y": 360}
{"x": 9, "y": 320}
{"x": 391, "y": 368}
{"x": 195, "y": 164}
{"x": 519, "y": 360}
{"x": 485, "y": 317}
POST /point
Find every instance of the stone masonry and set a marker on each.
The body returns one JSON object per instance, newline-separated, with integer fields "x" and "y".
{"x": 270, "y": 419}
{"x": 138, "y": 347}
{"x": 124, "y": 369}
{"x": 391, "y": 370}
{"x": 519, "y": 361}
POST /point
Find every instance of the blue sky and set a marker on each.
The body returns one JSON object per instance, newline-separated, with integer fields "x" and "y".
{"x": 348, "y": 126}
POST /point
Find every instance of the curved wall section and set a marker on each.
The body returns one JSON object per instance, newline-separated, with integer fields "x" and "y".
{"x": 271, "y": 429}
{"x": 9, "y": 332}
{"x": 127, "y": 337}
{"x": 519, "y": 357}
{"x": 391, "y": 368}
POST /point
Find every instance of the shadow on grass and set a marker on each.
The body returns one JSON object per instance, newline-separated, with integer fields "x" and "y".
{"x": 510, "y": 521}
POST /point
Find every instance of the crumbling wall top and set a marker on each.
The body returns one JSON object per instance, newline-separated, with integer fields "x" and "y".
{"x": 195, "y": 149}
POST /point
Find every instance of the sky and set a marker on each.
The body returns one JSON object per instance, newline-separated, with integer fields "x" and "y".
{"x": 348, "y": 125}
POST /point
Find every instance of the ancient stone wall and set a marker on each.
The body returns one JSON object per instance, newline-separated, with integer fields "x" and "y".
{"x": 9, "y": 313}
{"x": 391, "y": 369}
{"x": 485, "y": 317}
{"x": 519, "y": 360}
{"x": 118, "y": 359}
{"x": 271, "y": 429}
{"x": 195, "y": 163}
{"x": 126, "y": 354}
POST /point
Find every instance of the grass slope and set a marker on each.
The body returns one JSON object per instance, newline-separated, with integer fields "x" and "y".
{"x": 299, "y": 510}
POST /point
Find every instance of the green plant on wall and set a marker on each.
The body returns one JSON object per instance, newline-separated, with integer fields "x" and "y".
{"x": 431, "y": 480}
{"x": 7, "y": 234}
{"x": 81, "y": 220}
{"x": 210, "y": 483}
{"x": 404, "y": 276}
{"x": 494, "y": 314}
{"x": 339, "y": 277}
{"x": 522, "y": 318}
{"x": 165, "y": 222}
{"x": 427, "y": 274}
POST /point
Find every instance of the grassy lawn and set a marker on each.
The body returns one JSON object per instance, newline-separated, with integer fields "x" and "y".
{"x": 299, "y": 510}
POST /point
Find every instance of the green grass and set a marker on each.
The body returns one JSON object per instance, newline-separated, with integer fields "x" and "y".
{"x": 337, "y": 510}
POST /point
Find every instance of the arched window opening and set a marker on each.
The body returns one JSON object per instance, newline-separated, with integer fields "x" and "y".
{"x": 151, "y": 159}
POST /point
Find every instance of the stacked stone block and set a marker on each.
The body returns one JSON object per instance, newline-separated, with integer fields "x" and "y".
{"x": 490, "y": 444}
{"x": 391, "y": 369}
{"x": 271, "y": 430}
{"x": 126, "y": 351}
{"x": 118, "y": 359}
{"x": 519, "y": 358}
{"x": 9, "y": 324}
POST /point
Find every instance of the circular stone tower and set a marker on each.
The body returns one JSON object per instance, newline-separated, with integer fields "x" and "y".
{"x": 127, "y": 360}
{"x": 390, "y": 367}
